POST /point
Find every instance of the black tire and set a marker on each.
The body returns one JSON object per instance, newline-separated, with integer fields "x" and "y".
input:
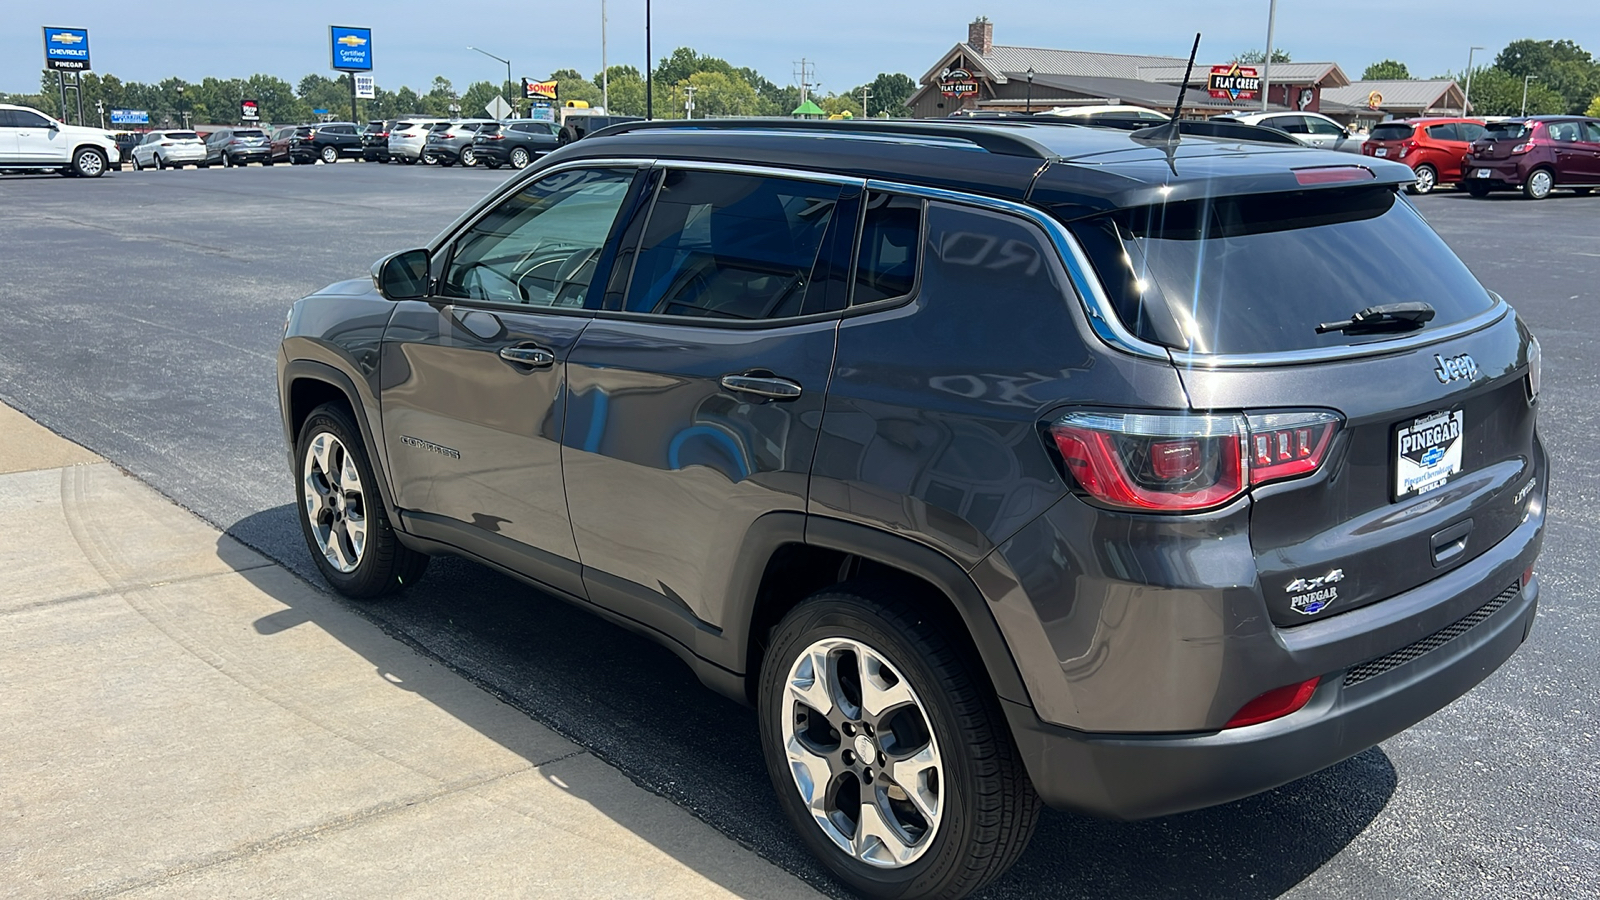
{"x": 409, "y": 160}
{"x": 383, "y": 565}
{"x": 989, "y": 807}
{"x": 1427, "y": 179}
{"x": 330, "y": 155}
{"x": 160, "y": 163}
{"x": 430, "y": 159}
{"x": 1540, "y": 183}
{"x": 491, "y": 163}
{"x": 88, "y": 162}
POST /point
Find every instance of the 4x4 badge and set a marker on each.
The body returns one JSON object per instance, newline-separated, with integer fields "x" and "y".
{"x": 1313, "y": 595}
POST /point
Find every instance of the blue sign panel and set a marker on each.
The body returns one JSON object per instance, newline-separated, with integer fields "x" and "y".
{"x": 66, "y": 48}
{"x": 130, "y": 117}
{"x": 352, "y": 48}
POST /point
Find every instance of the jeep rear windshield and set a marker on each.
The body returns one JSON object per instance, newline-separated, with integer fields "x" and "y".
{"x": 1508, "y": 131}
{"x": 1391, "y": 131}
{"x": 1258, "y": 273}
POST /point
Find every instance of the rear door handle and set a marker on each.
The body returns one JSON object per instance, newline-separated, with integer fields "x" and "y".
{"x": 768, "y": 386}
{"x": 532, "y": 357}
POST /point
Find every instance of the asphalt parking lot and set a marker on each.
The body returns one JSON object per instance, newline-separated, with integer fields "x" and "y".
{"x": 141, "y": 316}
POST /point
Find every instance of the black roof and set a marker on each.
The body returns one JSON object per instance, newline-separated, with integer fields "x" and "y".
{"x": 1072, "y": 170}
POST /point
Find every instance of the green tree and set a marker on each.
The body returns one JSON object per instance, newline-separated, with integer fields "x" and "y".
{"x": 720, "y": 95}
{"x": 1562, "y": 66}
{"x": 1386, "y": 70}
{"x": 474, "y": 103}
{"x": 1496, "y": 92}
{"x": 888, "y": 95}
{"x": 571, "y": 85}
{"x": 1256, "y": 57}
{"x": 627, "y": 91}
{"x": 1594, "y": 107}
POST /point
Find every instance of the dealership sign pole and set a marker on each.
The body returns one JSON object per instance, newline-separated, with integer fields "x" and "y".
{"x": 352, "y": 53}
{"x": 67, "y": 50}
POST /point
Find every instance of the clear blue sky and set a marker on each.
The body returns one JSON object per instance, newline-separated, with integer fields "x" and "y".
{"x": 851, "y": 41}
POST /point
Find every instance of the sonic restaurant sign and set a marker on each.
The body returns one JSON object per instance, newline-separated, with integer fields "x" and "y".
{"x": 352, "y": 48}
{"x": 1234, "y": 82}
{"x": 538, "y": 90}
{"x": 66, "y": 48}
{"x": 957, "y": 83}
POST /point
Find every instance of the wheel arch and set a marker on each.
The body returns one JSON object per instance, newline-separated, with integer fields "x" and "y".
{"x": 306, "y": 385}
{"x": 805, "y": 554}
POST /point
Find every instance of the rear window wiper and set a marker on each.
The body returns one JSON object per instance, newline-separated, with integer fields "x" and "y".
{"x": 1387, "y": 317}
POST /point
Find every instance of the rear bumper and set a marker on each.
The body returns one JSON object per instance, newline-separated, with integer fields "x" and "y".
{"x": 496, "y": 152}
{"x": 251, "y": 154}
{"x": 1135, "y": 776}
{"x": 1492, "y": 173}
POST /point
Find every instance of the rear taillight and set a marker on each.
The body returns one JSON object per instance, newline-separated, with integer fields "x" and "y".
{"x": 1524, "y": 147}
{"x": 166, "y": 143}
{"x": 1274, "y": 704}
{"x": 1406, "y": 147}
{"x": 1183, "y": 463}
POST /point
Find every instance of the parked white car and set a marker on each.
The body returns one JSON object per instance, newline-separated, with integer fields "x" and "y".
{"x": 1309, "y": 128}
{"x": 407, "y": 137}
{"x": 169, "y": 150}
{"x": 29, "y": 139}
{"x": 1092, "y": 115}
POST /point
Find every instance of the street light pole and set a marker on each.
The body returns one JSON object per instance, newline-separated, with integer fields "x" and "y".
{"x": 1466, "y": 96}
{"x": 508, "y": 74}
{"x": 1266, "y": 64}
{"x": 605, "y": 76}
{"x": 1031, "y": 74}
{"x": 1525, "y": 92}
{"x": 649, "y": 79}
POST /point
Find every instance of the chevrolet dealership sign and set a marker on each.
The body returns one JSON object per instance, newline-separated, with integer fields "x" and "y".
{"x": 66, "y": 48}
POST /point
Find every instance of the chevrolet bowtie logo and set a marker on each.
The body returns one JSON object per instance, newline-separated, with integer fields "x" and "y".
{"x": 73, "y": 38}
{"x": 351, "y": 40}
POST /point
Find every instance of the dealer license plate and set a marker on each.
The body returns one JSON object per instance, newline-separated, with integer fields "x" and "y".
{"x": 1427, "y": 453}
{"x": 1381, "y": 151}
{"x": 1483, "y": 173}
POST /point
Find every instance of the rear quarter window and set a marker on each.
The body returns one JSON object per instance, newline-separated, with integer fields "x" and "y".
{"x": 1258, "y": 273}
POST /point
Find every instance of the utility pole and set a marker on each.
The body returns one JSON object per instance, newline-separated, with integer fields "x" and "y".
{"x": 688, "y": 100}
{"x": 806, "y": 70}
{"x": 1266, "y": 64}
{"x": 1466, "y": 96}
{"x": 866, "y": 92}
{"x": 605, "y": 76}
{"x": 649, "y": 79}
{"x": 1525, "y": 92}
{"x": 100, "y": 105}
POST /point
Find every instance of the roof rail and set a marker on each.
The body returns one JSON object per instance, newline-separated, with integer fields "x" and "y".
{"x": 992, "y": 140}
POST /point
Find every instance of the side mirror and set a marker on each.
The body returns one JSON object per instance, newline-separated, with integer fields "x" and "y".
{"x": 54, "y": 125}
{"x": 402, "y": 276}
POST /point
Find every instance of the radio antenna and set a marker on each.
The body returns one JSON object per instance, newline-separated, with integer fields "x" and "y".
{"x": 1183, "y": 87}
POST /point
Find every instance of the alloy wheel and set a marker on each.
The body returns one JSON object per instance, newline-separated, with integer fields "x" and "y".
{"x": 1426, "y": 180}
{"x": 1539, "y": 184}
{"x": 469, "y": 157}
{"x": 862, "y": 754}
{"x": 335, "y": 502}
{"x": 519, "y": 158}
{"x": 90, "y": 164}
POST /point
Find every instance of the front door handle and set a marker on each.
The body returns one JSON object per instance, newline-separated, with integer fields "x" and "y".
{"x": 768, "y": 386}
{"x": 533, "y": 357}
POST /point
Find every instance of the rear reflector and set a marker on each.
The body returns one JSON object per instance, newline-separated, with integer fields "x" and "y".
{"x": 1333, "y": 175}
{"x": 1274, "y": 704}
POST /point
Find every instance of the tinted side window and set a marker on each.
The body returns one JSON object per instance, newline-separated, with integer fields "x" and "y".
{"x": 1291, "y": 124}
{"x": 886, "y": 265}
{"x": 1445, "y": 132}
{"x": 540, "y": 247}
{"x": 1591, "y": 132}
{"x": 22, "y": 118}
{"x": 1563, "y": 131}
{"x": 1320, "y": 126}
{"x": 1470, "y": 131}
{"x": 728, "y": 246}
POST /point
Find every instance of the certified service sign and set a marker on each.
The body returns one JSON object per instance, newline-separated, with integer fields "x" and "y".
{"x": 352, "y": 48}
{"x": 66, "y": 48}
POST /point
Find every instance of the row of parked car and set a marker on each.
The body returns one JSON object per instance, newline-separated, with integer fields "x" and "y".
{"x": 1533, "y": 154}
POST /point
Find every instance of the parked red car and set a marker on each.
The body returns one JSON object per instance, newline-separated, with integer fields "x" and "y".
{"x": 1536, "y": 154}
{"x": 1433, "y": 148}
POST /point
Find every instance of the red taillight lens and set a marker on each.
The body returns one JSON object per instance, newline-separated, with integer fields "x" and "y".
{"x": 166, "y": 143}
{"x": 1182, "y": 463}
{"x": 1274, "y": 704}
{"x": 1524, "y": 147}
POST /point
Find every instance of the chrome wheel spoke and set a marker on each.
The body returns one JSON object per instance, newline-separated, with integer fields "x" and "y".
{"x": 881, "y": 689}
{"x": 918, "y": 776}
{"x": 876, "y": 841}
{"x": 335, "y": 505}
{"x": 811, "y": 682}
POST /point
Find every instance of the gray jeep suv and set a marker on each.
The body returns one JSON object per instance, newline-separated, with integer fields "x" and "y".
{"x": 994, "y": 462}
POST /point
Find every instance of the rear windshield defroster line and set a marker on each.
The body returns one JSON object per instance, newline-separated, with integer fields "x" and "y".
{"x": 1258, "y": 273}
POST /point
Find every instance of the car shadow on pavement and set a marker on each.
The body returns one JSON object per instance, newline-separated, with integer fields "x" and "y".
{"x": 636, "y": 706}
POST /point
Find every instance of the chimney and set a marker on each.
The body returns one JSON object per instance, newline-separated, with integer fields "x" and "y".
{"x": 980, "y": 35}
